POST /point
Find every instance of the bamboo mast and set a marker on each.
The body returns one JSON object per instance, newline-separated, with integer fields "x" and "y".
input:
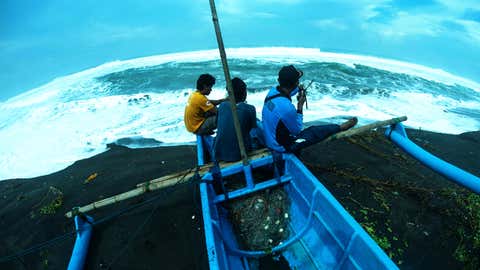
{"x": 231, "y": 97}
{"x": 173, "y": 179}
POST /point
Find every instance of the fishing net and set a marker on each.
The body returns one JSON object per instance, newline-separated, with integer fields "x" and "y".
{"x": 261, "y": 220}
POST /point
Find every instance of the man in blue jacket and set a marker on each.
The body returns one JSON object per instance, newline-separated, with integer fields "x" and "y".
{"x": 283, "y": 123}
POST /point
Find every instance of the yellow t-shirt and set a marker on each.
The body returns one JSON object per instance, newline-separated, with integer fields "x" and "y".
{"x": 195, "y": 110}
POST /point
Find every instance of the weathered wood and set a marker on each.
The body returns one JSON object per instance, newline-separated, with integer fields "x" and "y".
{"x": 168, "y": 178}
{"x": 172, "y": 179}
{"x": 107, "y": 201}
{"x": 226, "y": 71}
{"x": 355, "y": 131}
{"x": 158, "y": 183}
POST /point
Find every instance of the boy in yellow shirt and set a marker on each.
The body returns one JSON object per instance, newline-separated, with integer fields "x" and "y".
{"x": 201, "y": 113}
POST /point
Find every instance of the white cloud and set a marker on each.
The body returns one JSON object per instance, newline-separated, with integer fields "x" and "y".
{"x": 405, "y": 24}
{"x": 237, "y": 7}
{"x": 364, "y": 9}
{"x": 330, "y": 24}
{"x": 460, "y": 6}
{"x": 370, "y": 12}
{"x": 232, "y": 7}
{"x": 381, "y": 17}
{"x": 422, "y": 21}
{"x": 473, "y": 30}
{"x": 369, "y": 9}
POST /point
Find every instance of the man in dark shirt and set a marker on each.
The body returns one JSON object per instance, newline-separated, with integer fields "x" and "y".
{"x": 226, "y": 146}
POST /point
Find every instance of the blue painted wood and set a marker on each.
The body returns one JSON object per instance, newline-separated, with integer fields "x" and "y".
{"x": 258, "y": 187}
{"x": 324, "y": 235}
{"x": 80, "y": 249}
{"x": 398, "y": 135}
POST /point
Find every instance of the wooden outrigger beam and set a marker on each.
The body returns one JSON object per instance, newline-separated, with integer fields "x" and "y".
{"x": 362, "y": 129}
{"x": 158, "y": 183}
{"x": 172, "y": 179}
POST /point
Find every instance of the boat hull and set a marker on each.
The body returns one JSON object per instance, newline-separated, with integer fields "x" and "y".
{"x": 323, "y": 234}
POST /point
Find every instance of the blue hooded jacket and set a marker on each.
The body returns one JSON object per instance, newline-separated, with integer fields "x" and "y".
{"x": 281, "y": 122}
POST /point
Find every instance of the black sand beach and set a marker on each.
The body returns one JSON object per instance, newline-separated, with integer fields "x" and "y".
{"x": 421, "y": 219}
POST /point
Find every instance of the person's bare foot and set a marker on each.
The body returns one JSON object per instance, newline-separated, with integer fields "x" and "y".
{"x": 349, "y": 124}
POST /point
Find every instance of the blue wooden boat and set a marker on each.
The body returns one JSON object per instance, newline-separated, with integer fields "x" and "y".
{"x": 323, "y": 234}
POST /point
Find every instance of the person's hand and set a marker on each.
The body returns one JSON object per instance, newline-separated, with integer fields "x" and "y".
{"x": 301, "y": 96}
{"x": 301, "y": 99}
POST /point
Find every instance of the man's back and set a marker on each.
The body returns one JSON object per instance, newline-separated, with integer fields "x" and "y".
{"x": 226, "y": 144}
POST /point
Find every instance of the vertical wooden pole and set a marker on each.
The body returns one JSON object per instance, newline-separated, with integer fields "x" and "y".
{"x": 231, "y": 97}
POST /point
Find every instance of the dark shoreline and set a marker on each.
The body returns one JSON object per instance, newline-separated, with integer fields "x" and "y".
{"x": 412, "y": 211}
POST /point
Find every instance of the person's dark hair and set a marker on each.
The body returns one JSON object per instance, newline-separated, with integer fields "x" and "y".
{"x": 239, "y": 89}
{"x": 288, "y": 76}
{"x": 205, "y": 80}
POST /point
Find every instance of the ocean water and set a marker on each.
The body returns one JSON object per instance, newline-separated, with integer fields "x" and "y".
{"x": 141, "y": 101}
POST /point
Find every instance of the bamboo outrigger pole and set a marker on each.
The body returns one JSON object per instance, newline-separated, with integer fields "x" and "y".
{"x": 362, "y": 129}
{"x": 172, "y": 179}
{"x": 155, "y": 184}
{"x": 231, "y": 97}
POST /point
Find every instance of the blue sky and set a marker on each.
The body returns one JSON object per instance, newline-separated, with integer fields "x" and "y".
{"x": 41, "y": 40}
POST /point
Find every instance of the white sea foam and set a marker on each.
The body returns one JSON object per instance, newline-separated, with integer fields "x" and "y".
{"x": 52, "y": 136}
{"x": 429, "y": 113}
{"x": 46, "y": 129}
